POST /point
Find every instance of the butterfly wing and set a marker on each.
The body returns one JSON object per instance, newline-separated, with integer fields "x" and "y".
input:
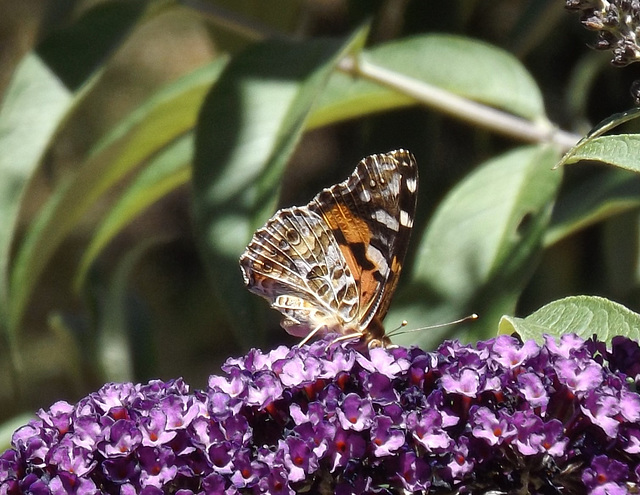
{"x": 371, "y": 215}
{"x": 296, "y": 264}
{"x": 335, "y": 262}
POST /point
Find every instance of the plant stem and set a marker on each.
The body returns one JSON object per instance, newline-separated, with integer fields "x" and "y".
{"x": 461, "y": 108}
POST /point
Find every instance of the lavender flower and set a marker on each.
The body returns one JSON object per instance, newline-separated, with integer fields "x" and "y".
{"x": 501, "y": 416}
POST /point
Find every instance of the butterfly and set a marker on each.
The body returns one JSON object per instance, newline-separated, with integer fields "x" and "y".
{"x": 333, "y": 265}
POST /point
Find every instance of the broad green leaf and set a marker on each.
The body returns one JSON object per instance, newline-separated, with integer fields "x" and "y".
{"x": 474, "y": 231}
{"x": 34, "y": 105}
{"x": 621, "y": 150}
{"x": 163, "y": 174}
{"x": 481, "y": 246}
{"x": 599, "y": 197}
{"x": 74, "y": 52}
{"x": 465, "y": 67}
{"x": 144, "y": 133}
{"x": 249, "y": 126}
{"x": 585, "y": 316}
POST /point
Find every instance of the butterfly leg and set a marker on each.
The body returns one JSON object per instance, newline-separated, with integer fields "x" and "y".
{"x": 354, "y": 335}
{"x": 309, "y": 336}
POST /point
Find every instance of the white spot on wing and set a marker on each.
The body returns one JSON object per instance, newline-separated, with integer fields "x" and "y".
{"x": 405, "y": 219}
{"x": 374, "y": 255}
{"x": 365, "y": 195}
{"x": 412, "y": 184}
{"x": 385, "y": 219}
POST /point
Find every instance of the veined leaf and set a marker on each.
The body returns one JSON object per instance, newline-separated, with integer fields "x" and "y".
{"x": 585, "y": 316}
{"x": 610, "y": 123}
{"x": 620, "y": 150}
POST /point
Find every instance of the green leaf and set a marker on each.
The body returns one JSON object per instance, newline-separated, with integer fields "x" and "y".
{"x": 585, "y": 316}
{"x": 610, "y": 123}
{"x": 596, "y": 199}
{"x": 615, "y": 150}
{"x": 169, "y": 113}
{"x": 163, "y": 174}
{"x": 249, "y": 126}
{"x": 621, "y": 150}
{"x": 144, "y": 133}
{"x": 465, "y": 67}
{"x": 481, "y": 246}
{"x": 33, "y": 107}
{"x": 74, "y": 52}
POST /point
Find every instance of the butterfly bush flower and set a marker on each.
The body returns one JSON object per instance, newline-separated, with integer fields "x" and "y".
{"x": 499, "y": 417}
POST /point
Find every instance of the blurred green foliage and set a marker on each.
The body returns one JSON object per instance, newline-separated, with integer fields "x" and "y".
{"x": 142, "y": 143}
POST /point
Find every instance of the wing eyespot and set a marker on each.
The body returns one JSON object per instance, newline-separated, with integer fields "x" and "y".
{"x": 293, "y": 237}
{"x": 318, "y": 271}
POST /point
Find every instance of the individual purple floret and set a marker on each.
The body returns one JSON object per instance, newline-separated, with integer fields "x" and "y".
{"x": 498, "y": 417}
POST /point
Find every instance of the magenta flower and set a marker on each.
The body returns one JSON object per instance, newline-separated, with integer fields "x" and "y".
{"x": 501, "y": 417}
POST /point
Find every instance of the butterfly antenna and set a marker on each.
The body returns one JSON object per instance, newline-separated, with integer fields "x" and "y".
{"x": 396, "y": 331}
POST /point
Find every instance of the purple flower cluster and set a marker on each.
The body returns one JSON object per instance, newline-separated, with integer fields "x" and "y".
{"x": 500, "y": 417}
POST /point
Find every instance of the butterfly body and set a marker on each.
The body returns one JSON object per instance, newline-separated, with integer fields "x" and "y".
{"x": 332, "y": 266}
